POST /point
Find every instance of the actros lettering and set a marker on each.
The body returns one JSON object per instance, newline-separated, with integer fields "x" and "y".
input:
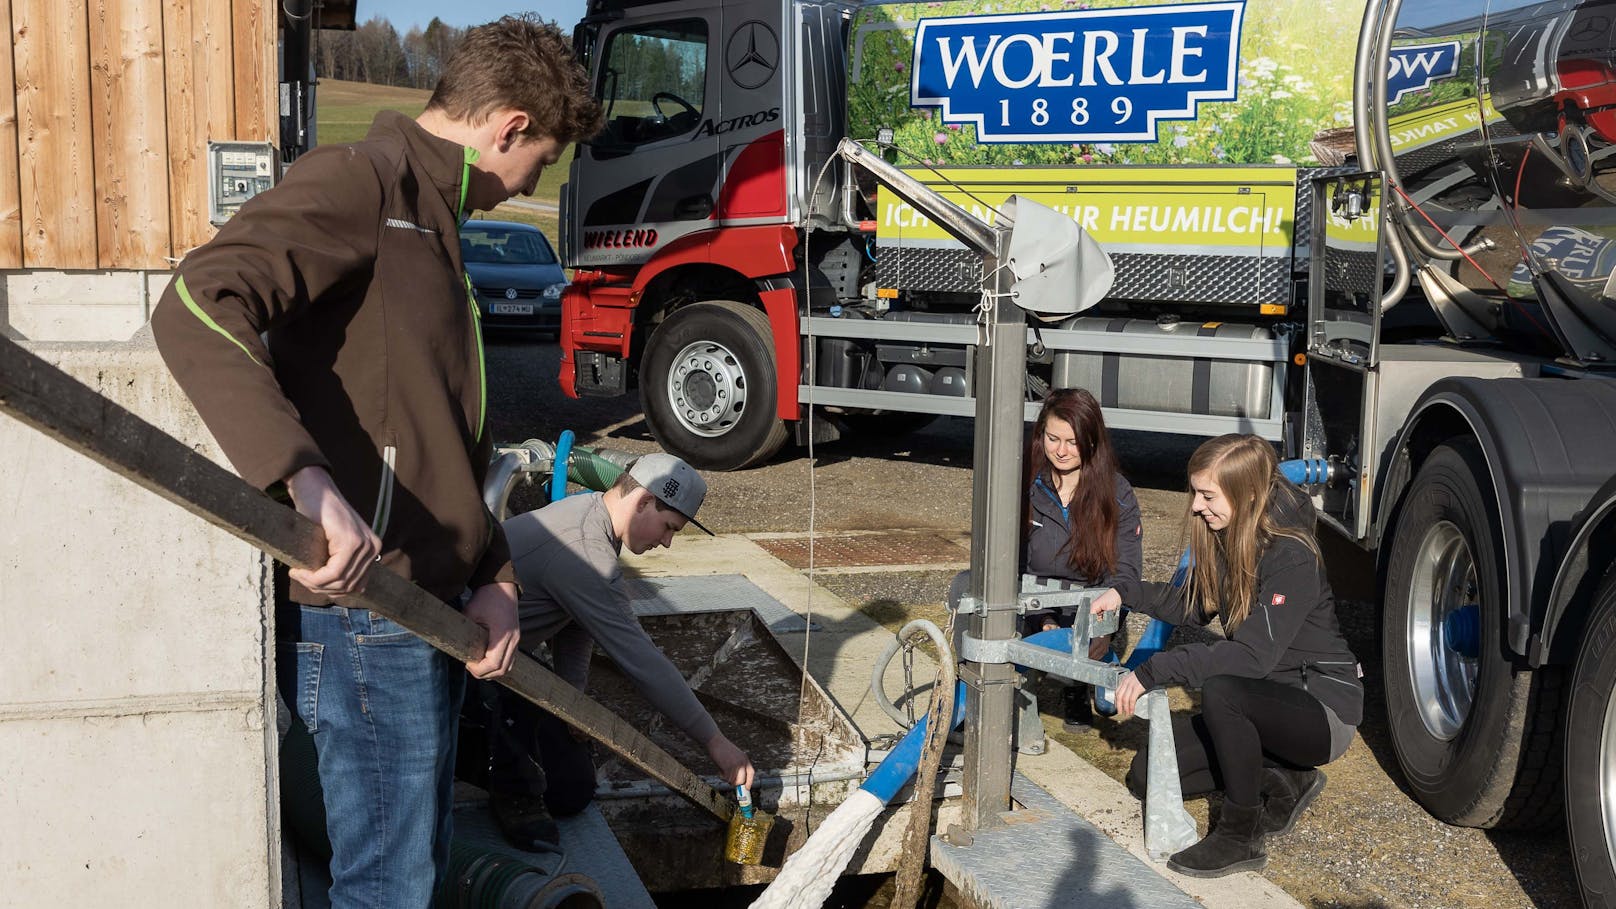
{"x": 744, "y": 121}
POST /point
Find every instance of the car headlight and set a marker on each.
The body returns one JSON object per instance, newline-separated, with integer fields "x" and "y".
{"x": 553, "y": 292}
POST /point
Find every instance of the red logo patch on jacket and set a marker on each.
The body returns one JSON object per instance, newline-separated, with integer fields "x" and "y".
{"x": 1279, "y": 599}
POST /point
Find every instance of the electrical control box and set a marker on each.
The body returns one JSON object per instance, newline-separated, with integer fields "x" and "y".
{"x": 237, "y": 171}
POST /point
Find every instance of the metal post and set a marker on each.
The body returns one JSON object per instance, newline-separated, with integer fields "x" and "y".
{"x": 996, "y": 496}
{"x": 996, "y": 492}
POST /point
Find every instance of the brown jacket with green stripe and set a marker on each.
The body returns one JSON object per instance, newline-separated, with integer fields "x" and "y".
{"x": 329, "y": 323}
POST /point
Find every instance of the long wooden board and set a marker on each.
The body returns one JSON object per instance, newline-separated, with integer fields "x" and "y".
{"x": 42, "y": 396}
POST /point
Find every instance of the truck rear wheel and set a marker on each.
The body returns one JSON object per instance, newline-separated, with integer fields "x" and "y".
{"x": 1590, "y": 760}
{"x": 1473, "y": 733}
{"x": 708, "y": 386}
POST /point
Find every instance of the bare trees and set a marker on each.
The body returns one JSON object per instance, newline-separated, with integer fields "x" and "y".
{"x": 375, "y": 52}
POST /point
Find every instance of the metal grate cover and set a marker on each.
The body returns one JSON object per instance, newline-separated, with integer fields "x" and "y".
{"x": 1075, "y": 864}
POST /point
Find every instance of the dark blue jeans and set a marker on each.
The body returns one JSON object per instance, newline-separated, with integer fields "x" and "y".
{"x": 381, "y": 705}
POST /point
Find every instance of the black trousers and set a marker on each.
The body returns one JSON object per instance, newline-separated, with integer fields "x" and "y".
{"x": 531, "y": 751}
{"x": 1244, "y": 725}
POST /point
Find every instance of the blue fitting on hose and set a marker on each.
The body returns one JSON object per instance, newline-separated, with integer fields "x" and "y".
{"x": 904, "y": 759}
{"x": 1461, "y": 631}
{"x": 1151, "y": 643}
{"x": 558, "y": 474}
{"x": 1306, "y": 471}
{"x": 1056, "y": 639}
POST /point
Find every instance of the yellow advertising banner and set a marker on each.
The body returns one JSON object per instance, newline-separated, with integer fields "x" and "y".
{"x": 1182, "y": 210}
{"x": 1430, "y": 125}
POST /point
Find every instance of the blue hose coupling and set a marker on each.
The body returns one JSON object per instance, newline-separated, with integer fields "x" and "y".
{"x": 1308, "y": 471}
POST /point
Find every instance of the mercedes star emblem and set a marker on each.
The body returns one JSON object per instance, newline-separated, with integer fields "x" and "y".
{"x": 753, "y": 54}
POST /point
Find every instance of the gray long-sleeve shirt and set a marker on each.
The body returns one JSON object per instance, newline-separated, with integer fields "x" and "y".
{"x": 572, "y": 592}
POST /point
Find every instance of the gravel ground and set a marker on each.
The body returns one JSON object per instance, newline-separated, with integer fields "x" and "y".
{"x": 1365, "y": 843}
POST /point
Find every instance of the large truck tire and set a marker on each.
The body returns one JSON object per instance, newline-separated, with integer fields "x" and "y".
{"x": 1475, "y": 734}
{"x": 708, "y": 386}
{"x": 1590, "y": 758}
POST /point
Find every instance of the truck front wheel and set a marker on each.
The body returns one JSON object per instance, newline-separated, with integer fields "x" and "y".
{"x": 1474, "y": 734}
{"x": 1590, "y": 760}
{"x": 708, "y": 386}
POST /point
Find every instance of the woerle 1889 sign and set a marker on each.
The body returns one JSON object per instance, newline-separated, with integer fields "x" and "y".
{"x": 1080, "y": 76}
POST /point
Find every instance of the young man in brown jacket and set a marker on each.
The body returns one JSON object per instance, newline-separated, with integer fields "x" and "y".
{"x": 328, "y": 338}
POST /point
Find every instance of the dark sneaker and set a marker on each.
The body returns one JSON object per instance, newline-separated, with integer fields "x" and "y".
{"x": 524, "y": 822}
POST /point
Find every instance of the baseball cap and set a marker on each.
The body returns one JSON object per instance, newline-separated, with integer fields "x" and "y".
{"x": 673, "y": 482}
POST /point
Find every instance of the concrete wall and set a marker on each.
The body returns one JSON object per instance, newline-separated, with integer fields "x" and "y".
{"x": 136, "y": 679}
{"x": 41, "y": 305}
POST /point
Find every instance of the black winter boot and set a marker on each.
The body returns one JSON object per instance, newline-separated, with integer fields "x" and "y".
{"x": 1286, "y": 794}
{"x": 1076, "y": 712}
{"x": 1235, "y": 844}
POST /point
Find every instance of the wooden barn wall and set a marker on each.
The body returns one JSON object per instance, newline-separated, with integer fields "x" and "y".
{"x": 10, "y": 186}
{"x": 127, "y": 134}
{"x": 106, "y": 107}
{"x": 201, "y": 103}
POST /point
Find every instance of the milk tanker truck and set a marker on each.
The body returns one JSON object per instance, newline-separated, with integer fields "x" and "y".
{"x": 1380, "y": 236}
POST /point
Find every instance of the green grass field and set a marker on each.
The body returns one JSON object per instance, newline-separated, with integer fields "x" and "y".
{"x": 344, "y": 113}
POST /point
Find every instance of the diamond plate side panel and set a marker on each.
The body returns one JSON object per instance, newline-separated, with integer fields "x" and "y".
{"x": 946, "y": 270}
{"x": 1201, "y": 279}
{"x": 1303, "y": 231}
{"x": 1351, "y": 268}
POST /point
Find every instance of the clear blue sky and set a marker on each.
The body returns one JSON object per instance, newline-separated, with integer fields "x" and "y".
{"x": 461, "y": 13}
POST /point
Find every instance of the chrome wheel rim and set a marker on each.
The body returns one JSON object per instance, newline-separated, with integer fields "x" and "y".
{"x": 1443, "y": 679}
{"x": 707, "y": 388}
{"x": 1607, "y": 776}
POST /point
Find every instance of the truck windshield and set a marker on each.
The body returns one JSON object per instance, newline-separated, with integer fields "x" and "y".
{"x": 652, "y": 80}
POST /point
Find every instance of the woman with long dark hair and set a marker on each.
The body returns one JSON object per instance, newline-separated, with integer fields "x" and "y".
{"x": 1082, "y": 518}
{"x": 1280, "y": 693}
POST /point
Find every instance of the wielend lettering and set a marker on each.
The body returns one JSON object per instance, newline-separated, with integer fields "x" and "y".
{"x": 620, "y": 239}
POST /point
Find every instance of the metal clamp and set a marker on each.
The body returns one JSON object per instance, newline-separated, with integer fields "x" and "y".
{"x": 1044, "y": 659}
{"x": 1037, "y": 594}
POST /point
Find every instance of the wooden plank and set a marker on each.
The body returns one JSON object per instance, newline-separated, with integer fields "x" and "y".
{"x": 201, "y": 106}
{"x": 130, "y": 141}
{"x": 256, "y": 74}
{"x": 10, "y": 186}
{"x": 42, "y": 396}
{"x": 55, "y": 164}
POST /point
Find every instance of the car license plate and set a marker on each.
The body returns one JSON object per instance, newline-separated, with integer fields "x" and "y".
{"x": 511, "y": 309}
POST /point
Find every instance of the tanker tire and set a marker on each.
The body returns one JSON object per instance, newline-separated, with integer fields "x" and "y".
{"x": 733, "y": 386}
{"x": 1590, "y": 759}
{"x": 1491, "y": 761}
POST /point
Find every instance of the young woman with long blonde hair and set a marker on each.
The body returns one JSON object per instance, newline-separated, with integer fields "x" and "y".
{"x": 1280, "y": 693}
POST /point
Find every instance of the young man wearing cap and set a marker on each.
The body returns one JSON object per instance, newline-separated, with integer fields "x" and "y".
{"x": 566, "y": 557}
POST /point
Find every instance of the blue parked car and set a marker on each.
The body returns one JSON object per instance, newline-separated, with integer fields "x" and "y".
{"x": 516, "y": 274}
